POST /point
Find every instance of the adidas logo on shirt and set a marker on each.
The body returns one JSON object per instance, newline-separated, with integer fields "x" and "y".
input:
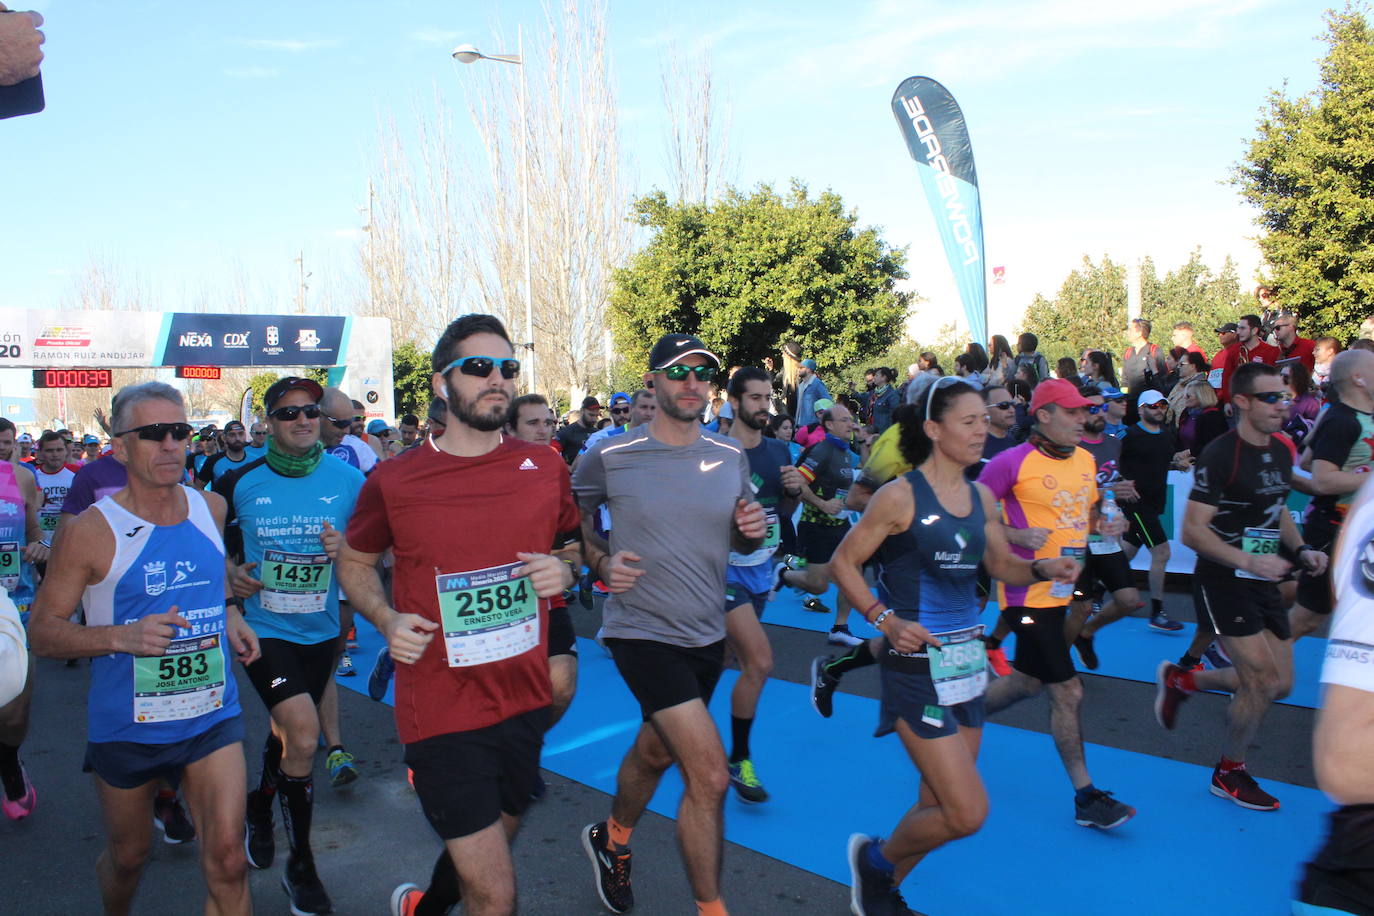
{"x": 527, "y": 465}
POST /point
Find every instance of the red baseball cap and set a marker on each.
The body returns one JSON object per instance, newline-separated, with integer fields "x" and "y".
{"x": 1056, "y": 391}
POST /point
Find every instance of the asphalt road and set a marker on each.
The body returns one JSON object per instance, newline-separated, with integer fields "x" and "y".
{"x": 371, "y": 836}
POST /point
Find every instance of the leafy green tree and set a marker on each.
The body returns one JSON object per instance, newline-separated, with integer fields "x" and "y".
{"x": 1310, "y": 172}
{"x": 750, "y": 271}
{"x": 411, "y": 370}
{"x": 1088, "y": 312}
{"x": 260, "y": 383}
{"x": 1192, "y": 293}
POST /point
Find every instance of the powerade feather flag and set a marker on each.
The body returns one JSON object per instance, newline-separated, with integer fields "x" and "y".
{"x": 937, "y": 138}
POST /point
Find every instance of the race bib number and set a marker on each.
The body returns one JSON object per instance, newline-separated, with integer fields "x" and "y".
{"x": 1065, "y": 589}
{"x": 9, "y": 566}
{"x": 1214, "y": 378}
{"x": 1259, "y": 542}
{"x": 295, "y": 583}
{"x": 959, "y": 667}
{"x": 48, "y": 522}
{"x": 1098, "y": 547}
{"x": 487, "y": 615}
{"x": 185, "y": 683}
{"x": 772, "y": 536}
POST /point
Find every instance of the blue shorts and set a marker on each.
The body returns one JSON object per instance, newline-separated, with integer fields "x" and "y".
{"x": 909, "y": 695}
{"x": 738, "y": 596}
{"x": 129, "y": 764}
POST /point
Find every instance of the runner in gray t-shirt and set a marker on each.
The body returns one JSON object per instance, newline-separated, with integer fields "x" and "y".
{"x": 680, "y": 499}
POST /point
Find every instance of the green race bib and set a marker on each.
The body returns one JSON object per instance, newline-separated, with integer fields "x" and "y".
{"x": 959, "y": 667}
{"x": 48, "y": 522}
{"x": 295, "y": 583}
{"x": 772, "y": 537}
{"x": 1259, "y": 542}
{"x": 9, "y": 566}
{"x": 487, "y": 615}
{"x": 186, "y": 682}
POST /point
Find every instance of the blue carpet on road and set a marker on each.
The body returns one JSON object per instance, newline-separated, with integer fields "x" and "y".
{"x": 829, "y": 778}
{"x": 1126, "y": 649}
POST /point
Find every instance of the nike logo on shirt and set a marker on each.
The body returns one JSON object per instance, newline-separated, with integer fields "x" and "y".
{"x": 710, "y": 467}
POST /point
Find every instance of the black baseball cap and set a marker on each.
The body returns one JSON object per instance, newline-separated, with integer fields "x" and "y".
{"x": 590, "y": 402}
{"x": 673, "y": 347}
{"x": 233, "y": 425}
{"x": 1229, "y": 327}
{"x": 292, "y": 383}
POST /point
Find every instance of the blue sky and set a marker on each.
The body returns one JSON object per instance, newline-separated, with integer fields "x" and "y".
{"x": 185, "y": 146}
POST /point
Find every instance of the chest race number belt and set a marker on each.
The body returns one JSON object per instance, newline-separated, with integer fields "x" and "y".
{"x": 487, "y": 615}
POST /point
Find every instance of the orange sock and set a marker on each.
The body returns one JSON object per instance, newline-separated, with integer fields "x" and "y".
{"x": 712, "y": 908}
{"x": 619, "y": 833}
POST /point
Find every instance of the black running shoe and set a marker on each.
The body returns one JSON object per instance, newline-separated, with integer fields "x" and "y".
{"x": 258, "y": 841}
{"x": 303, "y": 886}
{"x": 611, "y": 869}
{"x": 872, "y": 893}
{"x": 170, "y": 818}
{"x": 1101, "y": 810}
{"x": 1086, "y": 652}
{"x": 823, "y": 686}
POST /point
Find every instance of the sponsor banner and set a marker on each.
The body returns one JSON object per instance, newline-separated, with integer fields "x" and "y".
{"x": 253, "y": 340}
{"x": 937, "y": 138}
{"x": 30, "y": 338}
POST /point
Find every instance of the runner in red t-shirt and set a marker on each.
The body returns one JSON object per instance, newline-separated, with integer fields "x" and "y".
{"x": 470, "y": 517}
{"x": 1291, "y": 346}
{"x": 1183, "y": 337}
{"x": 1250, "y": 348}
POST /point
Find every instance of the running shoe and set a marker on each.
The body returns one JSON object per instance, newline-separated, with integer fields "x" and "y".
{"x": 840, "y": 636}
{"x": 584, "y": 590}
{"x": 302, "y": 885}
{"x": 611, "y": 870}
{"x": 404, "y": 899}
{"x": 823, "y": 686}
{"x": 351, "y": 640}
{"x": 258, "y": 841}
{"x": 380, "y": 678}
{"x": 871, "y": 893}
{"x": 345, "y": 668}
{"x": 746, "y": 782}
{"x": 1216, "y": 656}
{"x": 21, "y": 807}
{"x": 1162, "y": 623}
{"x": 170, "y": 818}
{"x": 1086, "y": 651}
{"x": 341, "y": 768}
{"x": 1240, "y": 787}
{"x": 778, "y": 584}
{"x": 998, "y": 659}
{"x": 1101, "y": 810}
{"x": 599, "y": 588}
{"x": 1168, "y": 695}
{"x": 815, "y": 605}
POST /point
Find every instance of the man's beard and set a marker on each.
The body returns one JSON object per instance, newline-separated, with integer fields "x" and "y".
{"x": 757, "y": 420}
{"x": 686, "y": 415}
{"x": 467, "y": 412}
{"x": 1095, "y": 425}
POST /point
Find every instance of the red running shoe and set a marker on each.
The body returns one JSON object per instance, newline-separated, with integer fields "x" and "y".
{"x": 1168, "y": 695}
{"x": 1240, "y": 787}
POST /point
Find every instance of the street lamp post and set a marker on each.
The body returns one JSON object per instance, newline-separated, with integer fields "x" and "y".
{"x": 468, "y": 54}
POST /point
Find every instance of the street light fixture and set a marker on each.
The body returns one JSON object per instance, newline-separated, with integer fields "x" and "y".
{"x": 469, "y": 54}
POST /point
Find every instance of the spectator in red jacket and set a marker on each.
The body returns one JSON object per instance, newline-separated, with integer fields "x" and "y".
{"x": 1291, "y": 346}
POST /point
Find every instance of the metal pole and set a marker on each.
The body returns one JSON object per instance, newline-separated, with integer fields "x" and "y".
{"x": 525, "y": 219}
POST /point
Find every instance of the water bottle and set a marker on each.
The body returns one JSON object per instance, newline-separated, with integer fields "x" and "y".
{"x": 1110, "y": 513}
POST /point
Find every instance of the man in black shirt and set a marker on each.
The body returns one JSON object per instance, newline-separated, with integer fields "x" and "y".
{"x": 1001, "y": 423}
{"x": 572, "y": 437}
{"x": 1341, "y": 459}
{"x": 1147, "y": 453}
{"x": 1246, "y": 541}
{"x": 234, "y": 456}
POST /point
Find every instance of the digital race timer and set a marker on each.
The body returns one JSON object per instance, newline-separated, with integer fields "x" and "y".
{"x": 71, "y": 378}
{"x": 209, "y": 373}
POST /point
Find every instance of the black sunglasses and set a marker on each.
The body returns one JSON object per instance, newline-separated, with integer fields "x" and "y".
{"x": 311, "y": 411}
{"x": 345, "y": 423}
{"x": 157, "y": 432}
{"x": 481, "y": 366}
{"x": 620, "y": 410}
{"x": 678, "y": 373}
{"x": 1272, "y": 397}
{"x": 1003, "y": 405}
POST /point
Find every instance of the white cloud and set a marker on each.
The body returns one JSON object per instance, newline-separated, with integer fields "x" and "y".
{"x": 433, "y": 36}
{"x": 252, "y": 73}
{"x": 291, "y": 45}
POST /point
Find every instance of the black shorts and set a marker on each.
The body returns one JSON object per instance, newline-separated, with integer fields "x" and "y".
{"x": 466, "y": 780}
{"x": 1041, "y": 651}
{"x": 130, "y": 764}
{"x": 562, "y": 637}
{"x": 662, "y": 676}
{"x": 738, "y": 596}
{"x": 818, "y": 542}
{"x": 1314, "y": 591}
{"x": 1113, "y": 570}
{"x": 1147, "y": 530}
{"x": 288, "y": 668}
{"x": 1238, "y": 607}
{"x": 1341, "y": 876}
{"x": 909, "y": 694}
